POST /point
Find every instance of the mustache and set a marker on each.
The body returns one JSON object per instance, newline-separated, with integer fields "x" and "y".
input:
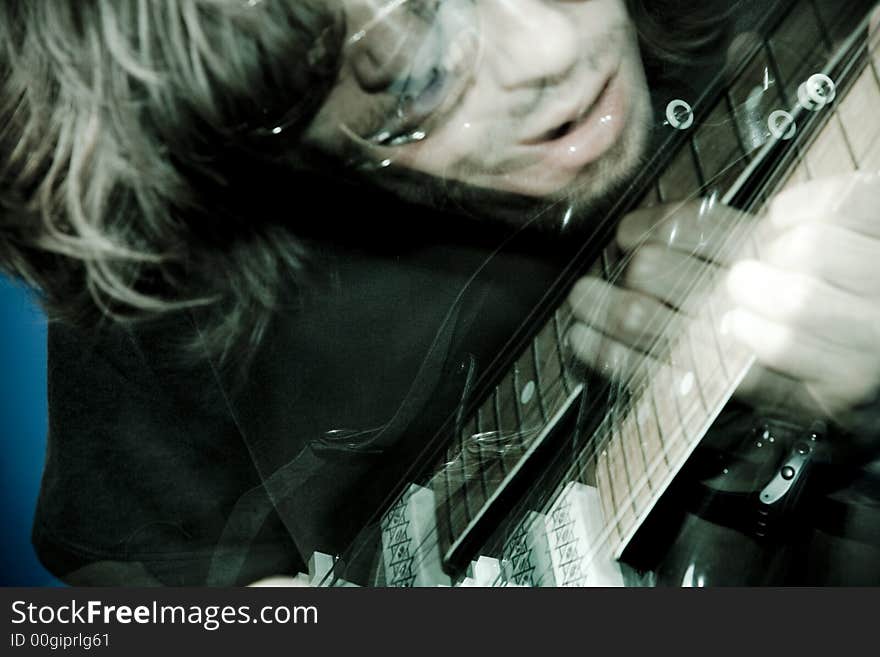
{"x": 598, "y": 50}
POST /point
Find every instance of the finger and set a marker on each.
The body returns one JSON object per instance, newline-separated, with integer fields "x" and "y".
{"x": 850, "y": 201}
{"x": 844, "y": 258}
{"x": 601, "y": 353}
{"x": 632, "y": 318}
{"x": 805, "y": 303}
{"x": 705, "y": 229}
{"x": 677, "y": 279}
{"x": 793, "y": 353}
{"x": 768, "y": 390}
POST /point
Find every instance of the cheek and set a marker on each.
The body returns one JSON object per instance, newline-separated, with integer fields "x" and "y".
{"x": 462, "y": 147}
{"x": 343, "y": 112}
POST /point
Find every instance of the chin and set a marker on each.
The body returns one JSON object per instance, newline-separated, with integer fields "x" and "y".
{"x": 595, "y": 182}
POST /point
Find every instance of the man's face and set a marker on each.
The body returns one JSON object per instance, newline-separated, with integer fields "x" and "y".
{"x": 540, "y": 98}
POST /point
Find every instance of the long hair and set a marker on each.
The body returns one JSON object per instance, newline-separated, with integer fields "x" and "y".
{"x": 141, "y": 140}
{"x": 682, "y": 33}
{"x": 129, "y": 129}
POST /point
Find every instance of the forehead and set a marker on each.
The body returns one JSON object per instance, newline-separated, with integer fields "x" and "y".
{"x": 389, "y": 41}
{"x": 366, "y": 16}
{"x": 393, "y": 19}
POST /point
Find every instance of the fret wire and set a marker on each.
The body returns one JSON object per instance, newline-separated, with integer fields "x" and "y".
{"x": 695, "y": 159}
{"x": 660, "y": 431}
{"x": 677, "y": 405}
{"x": 690, "y": 345}
{"x": 716, "y": 150}
{"x": 826, "y": 33}
{"x": 478, "y": 422}
{"x": 873, "y": 161}
{"x": 837, "y": 117}
{"x": 462, "y": 493}
{"x": 622, "y": 448}
{"x": 736, "y": 127}
{"x": 462, "y": 488}
{"x": 830, "y": 27}
{"x": 447, "y": 485}
{"x": 467, "y": 488}
{"x": 852, "y": 156}
{"x": 638, "y": 451}
{"x": 610, "y": 485}
{"x": 698, "y": 164}
{"x": 459, "y": 458}
{"x": 635, "y": 420}
{"x": 585, "y": 451}
{"x": 517, "y": 411}
{"x": 502, "y": 457}
{"x": 559, "y": 353}
{"x": 777, "y": 71}
{"x": 523, "y": 437}
{"x": 534, "y": 407}
{"x": 554, "y": 391}
{"x": 500, "y": 437}
{"x": 866, "y": 83}
{"x": 714, "y": 324}
{"x": 871, "y": 61}
{"x": 798, "y": 32}
{"x": 539, "y": 385}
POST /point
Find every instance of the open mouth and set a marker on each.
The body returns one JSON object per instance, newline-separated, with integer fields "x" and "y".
{"x": 564, "y": 129}
{"x": 559, "y": 132}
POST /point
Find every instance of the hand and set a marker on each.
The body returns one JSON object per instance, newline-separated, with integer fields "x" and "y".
{"x": 806, "y": 301}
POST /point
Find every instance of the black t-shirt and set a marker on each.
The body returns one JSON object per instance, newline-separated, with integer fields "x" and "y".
{"x": 205, "y": 479}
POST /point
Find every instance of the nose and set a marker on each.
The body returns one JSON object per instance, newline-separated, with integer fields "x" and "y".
{"x": 532, "y": 42}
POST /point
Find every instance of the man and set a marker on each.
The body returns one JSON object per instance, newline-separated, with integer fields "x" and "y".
{"x": 253, "y": 206}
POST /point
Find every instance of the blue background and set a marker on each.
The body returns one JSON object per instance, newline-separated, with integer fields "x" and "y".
{"x": 23, "y": 424}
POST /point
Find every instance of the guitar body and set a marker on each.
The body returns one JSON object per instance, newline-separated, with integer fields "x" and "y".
{"x": 712, "y": 528}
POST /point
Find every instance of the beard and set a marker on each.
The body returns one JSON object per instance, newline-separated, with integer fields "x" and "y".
{"x": 600, "y": 188}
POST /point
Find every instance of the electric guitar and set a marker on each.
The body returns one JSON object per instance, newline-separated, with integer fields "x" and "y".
{"x": 551, "y": 475}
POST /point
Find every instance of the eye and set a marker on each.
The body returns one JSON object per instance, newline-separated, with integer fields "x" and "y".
{"x": 419, "y": 99}
{"x": 436, "y": 71}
